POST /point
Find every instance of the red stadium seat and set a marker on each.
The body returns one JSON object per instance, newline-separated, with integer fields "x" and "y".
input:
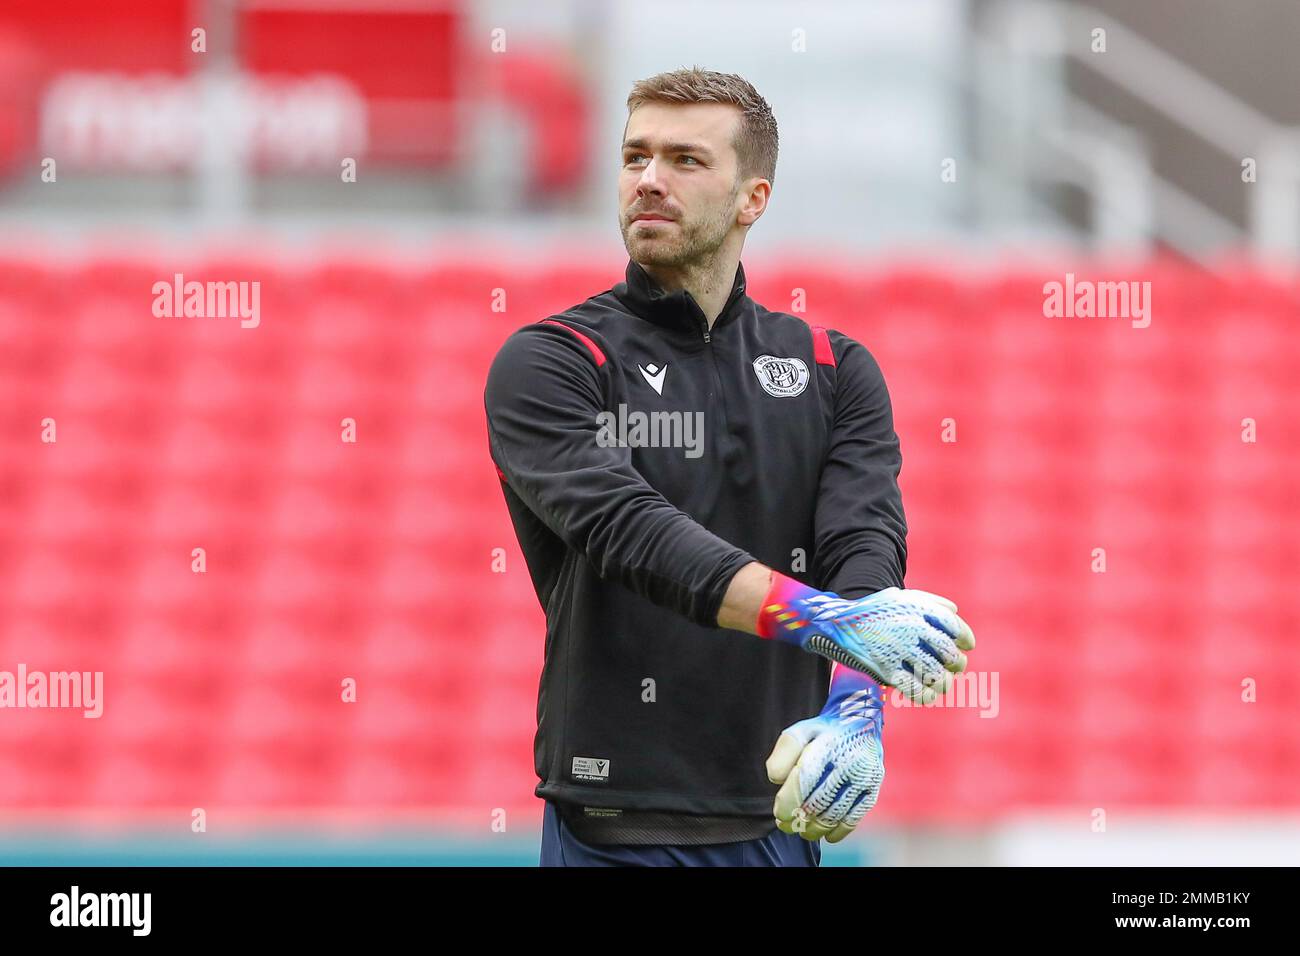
{"x": 329, "y": 560}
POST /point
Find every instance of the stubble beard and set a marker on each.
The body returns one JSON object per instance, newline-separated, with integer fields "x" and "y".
{"x": 691, "y": 244}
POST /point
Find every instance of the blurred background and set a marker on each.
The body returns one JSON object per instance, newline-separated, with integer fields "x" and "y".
{"x": 1114, "y": 507}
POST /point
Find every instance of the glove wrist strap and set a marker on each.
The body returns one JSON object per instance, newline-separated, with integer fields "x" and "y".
{"x": 853, "y": 692}
{"x": 782, "y": 613}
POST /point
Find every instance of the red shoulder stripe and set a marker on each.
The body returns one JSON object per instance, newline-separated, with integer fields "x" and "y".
{"x": 822, "y": 347}
{"x": 585, "y": 340}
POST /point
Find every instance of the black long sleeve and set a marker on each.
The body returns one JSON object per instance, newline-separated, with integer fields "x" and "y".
{"x": 861, "y": 530}
{"x": 543, "y": 395}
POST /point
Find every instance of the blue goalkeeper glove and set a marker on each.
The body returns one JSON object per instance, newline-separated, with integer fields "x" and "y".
{"x": 904, "y": 638}
{"x": 831, "y": 766}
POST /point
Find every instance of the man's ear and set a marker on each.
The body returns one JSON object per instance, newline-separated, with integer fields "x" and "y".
{"x": 757, "y": 193}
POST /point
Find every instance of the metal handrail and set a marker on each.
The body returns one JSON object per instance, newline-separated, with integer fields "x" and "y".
{"x": 1186, "y": 97}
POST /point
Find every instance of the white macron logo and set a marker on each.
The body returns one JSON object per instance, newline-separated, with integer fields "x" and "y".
{"x": 655, "y": 376}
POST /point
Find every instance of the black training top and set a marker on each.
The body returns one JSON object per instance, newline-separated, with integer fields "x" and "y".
{"x": 645, "y": 459}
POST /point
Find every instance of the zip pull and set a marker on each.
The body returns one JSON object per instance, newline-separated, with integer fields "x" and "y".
{"x": 704, "y": 322}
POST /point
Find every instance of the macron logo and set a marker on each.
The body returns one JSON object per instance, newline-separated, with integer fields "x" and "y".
{"x": 655, "y": 376}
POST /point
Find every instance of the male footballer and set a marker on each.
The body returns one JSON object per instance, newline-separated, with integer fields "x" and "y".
{"x": 721, "y": 612}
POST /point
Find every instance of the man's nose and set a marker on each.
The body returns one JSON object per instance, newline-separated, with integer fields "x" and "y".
{"x": 649, "y": 181}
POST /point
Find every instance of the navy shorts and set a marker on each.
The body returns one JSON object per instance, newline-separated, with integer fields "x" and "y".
{"x": 561, "y": 848}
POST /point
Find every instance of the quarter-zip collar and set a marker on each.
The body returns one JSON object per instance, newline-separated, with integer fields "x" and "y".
{"x": 675, "y": 310}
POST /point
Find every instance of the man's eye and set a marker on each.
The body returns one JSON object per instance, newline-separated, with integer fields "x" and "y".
{"x": 634, "y": 157}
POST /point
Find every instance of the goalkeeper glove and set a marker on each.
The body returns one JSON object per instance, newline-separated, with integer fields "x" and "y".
{"x": 831, "y": 766}
{"x": 904, "y": 638}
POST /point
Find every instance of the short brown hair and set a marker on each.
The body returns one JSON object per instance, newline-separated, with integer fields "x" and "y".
{"x": 756, "y": 138}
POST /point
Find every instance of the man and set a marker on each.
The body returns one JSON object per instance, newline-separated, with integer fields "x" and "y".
{"x": 701, "y": 489}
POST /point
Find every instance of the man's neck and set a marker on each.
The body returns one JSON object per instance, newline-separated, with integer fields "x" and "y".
{"x": 708, "y": 283}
